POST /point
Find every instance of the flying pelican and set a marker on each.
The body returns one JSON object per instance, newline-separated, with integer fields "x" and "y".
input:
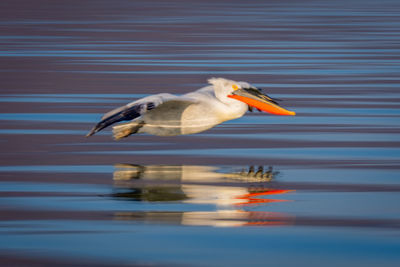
{"x": 169, "y": 115}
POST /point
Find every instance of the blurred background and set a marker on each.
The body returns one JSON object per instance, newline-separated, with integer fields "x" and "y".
{"x": 319, "y": 188}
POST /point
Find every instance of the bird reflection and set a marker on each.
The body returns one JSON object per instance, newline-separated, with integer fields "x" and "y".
{"x": 231, "y": 193}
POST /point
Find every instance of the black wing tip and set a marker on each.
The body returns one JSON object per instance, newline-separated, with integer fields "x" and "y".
{"x": 99, "y": 126}
{"x": 92, "y": 132}
{"x": 127, "y": 114}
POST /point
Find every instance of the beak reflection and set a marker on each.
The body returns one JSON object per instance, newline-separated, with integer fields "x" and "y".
{"x": 228, "y": 193}
{"x": 255, "y": 98}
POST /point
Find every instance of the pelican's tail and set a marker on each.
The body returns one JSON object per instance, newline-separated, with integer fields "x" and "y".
{"x": 126, "y": 129}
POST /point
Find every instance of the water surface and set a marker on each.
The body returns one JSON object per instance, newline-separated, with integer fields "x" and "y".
{"x": 320, "y": 188}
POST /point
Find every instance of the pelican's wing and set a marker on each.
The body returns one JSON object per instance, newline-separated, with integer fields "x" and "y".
{"x": 131, "y": 111}
{"x": 164, "y": 120}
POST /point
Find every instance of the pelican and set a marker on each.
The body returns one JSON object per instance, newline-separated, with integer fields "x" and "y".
{"x": 170, "y": 115}
{"x": 199, "y": 185}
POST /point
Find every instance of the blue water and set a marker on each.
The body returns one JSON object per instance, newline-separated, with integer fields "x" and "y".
{"x": 327, "y": 188}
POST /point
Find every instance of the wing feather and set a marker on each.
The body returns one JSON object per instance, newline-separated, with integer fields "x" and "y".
{"x": 130, "y": 111}
{"x": 136, "y": 109}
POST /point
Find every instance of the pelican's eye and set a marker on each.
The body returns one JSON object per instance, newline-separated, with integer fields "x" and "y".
{"x": 235, "y": 87}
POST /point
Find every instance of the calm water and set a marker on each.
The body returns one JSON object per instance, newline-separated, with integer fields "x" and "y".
{"x": 318, "y": 189}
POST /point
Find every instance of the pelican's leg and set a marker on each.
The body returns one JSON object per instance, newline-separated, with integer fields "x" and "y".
{"x": 126, "y": 129}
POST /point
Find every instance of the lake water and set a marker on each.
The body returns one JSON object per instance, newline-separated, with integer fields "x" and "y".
{"x": 321, "y": 188}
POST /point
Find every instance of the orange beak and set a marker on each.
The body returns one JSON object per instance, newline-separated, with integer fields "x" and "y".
{"x": 254, "y": 98}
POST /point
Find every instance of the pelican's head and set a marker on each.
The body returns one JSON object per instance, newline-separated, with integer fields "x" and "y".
{"x": 248, "y": 94}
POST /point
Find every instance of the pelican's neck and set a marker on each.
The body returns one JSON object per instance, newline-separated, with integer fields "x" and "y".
{"x": 229, "y": 108}
{"x": 233, "y": 109}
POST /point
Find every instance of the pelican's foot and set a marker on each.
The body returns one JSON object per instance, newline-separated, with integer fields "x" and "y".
{"x": 126, "y": 129}
{"x": 257, "y": 176}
